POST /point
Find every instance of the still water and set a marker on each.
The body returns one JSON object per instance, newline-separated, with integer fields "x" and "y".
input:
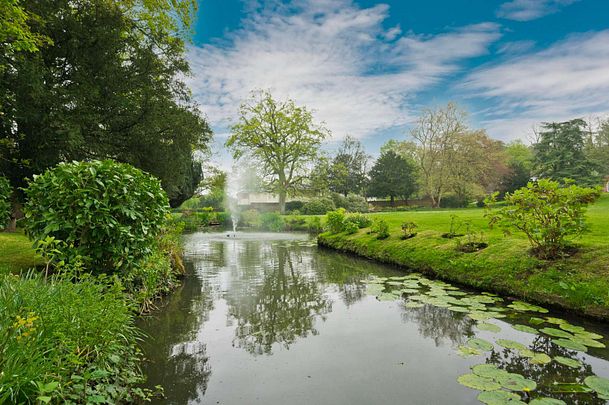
{"x": 272, "y": 319}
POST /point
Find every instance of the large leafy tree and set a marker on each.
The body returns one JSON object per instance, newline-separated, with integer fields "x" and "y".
{"x": 392, "y": 176}
{"x": 108, "y": 87}
{"x": 560, "y": 153}
{"x": 348, "y": 169}
{"x": 281, "y": 136}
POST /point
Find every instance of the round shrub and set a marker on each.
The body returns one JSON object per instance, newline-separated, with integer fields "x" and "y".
{"x": 271, "y": 221}
{"x": 336, "y": 220}
{"x": 106, "y": 213}
{"x": 5, "y": 202}
{"x": 360, "y": 220}
{"x": 356, "y": 203}
{"x": 318, "y": 206}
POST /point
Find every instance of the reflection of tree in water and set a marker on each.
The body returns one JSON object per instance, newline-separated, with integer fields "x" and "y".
{"x": 440, "y": 324}
{"x": 175, "y": 359}
{"x": 545, "y": 375}
{"x": 282, "y": 307}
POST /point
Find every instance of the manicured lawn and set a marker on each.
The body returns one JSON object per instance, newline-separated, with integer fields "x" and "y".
{"x": 580, "y": 282}
{"x": 16, "y": 253}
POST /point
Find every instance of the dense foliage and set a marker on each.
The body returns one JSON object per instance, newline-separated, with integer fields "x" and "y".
{"x": 392, "y": 176}
{"x": 103, "y": 213}
{"x": 5, "y": 201}
{"x": 347, "y": 170}
{"x": 549, "y": 214}
{"x": 65, "y": 342}
{"x": 318, "y": 206}
{"x": 107, "y": 84}
{"x": 335, "y": 220}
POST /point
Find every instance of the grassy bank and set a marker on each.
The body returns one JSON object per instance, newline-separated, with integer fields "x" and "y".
{"x": 579, "y": 283}
{"x": 16, "y": 253}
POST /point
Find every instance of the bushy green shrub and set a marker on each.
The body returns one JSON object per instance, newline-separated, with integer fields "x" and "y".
{"x": 409, "y": 230}
{"x": 451, "y": 200}
{"x": 295, "y": 223}
{"x": 67, "y": 342}
{"x": 250, "y": 219}
{"x": 5, "y": 202}
{"x": 350, "y": 227}
{"x": 294, "y": 205}
{"x": 360, "y": 220}
{"x": 381, "y": 229}
{"x": 351, "y": 203}
{"x": 318, "y": 206}
{"x": 106, "y": 213}
{"x": 548, "y": 213}
{"x": 315, "y": 226}
{"x": 271, "y": 221}
{"x": 335, "y": 220}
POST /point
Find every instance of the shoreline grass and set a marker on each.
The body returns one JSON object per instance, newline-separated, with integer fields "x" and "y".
{"x": 17, "y": 253}
{"x": 579, "y": 283}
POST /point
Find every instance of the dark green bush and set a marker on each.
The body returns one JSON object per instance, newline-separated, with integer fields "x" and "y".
{"x": 67, "y": 342}
{"x": 5, "y": 202}
{"x": 451, "y": 200}
{"x": 335, "y": 220}
{"x": 296, "y": 223}
{"x": 294, "y": 205}
{"x": 350, "y": 227}
{"x": 318, "y": 206}
{"x": 381, "y": 228}
{"x": 250, "y": 219}
{"x": 107, "y": 213}
{"x": 356, "y": 203}
{"x": 409, "y": 230}
{"x": 272, "y": 221}
{"x": 315, "y": 227}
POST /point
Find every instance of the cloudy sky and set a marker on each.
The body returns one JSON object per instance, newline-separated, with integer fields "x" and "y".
{"x": 367, "y": 68}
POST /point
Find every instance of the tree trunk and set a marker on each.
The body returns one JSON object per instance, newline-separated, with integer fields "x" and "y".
{"x": 282, "y": 197}
{"x": 392, "y": 201}
{"x": 16, "y": 213}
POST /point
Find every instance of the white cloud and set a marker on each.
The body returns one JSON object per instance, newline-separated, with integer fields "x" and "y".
{"x": 527, "y": 10}
{"x": 333, "y": 57}
{"x": 567, "y": 80}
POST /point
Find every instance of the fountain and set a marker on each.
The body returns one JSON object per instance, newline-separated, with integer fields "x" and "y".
{"x": 232, "y": 189}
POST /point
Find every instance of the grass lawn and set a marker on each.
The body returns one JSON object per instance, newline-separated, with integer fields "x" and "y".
{"x": 16, "y": 253}
{"x": 580, "y": 282}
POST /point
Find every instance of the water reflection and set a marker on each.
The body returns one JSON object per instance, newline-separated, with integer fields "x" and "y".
{"x": 285, "y": 305}
{"x": 440, "y": 324}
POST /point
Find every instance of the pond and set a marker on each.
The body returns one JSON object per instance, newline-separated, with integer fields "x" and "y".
{"x": 273, "y": 319}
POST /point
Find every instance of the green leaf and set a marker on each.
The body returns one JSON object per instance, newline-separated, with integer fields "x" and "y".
{"x": 499, "y": 398}
{"x": 599, "y": 384}
{"x": 478, "y": 383}
{"x": 568, "y": 362}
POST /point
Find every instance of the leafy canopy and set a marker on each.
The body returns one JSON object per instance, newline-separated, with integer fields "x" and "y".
{"x": 104, "y": 213}
{"x": 392, "y": 176}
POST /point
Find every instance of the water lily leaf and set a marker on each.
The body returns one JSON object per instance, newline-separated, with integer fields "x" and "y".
{"x": 479, "y": 316}
{"x": 516, "y": 382}
{"x": 510, "y": 344}
{"x": 499, "y": 398}
{"x": 568, "y": 362}
{"x": 600, "y": 385}
{"x": 478, "y": 383}
{"x": 589, "y": 335}
{"x": 466, "y": 351}
{"x": 456, "y": 293}
{"x": 480, "y": 344}
{"x": 547, "y": 401}
{"x": 374, "y": 289}
{"x": 570, "y": 344}
{"x": 556, "y": 321}
{"x": 414, "y": 304}
{"x": 397, "y": 278}
{"x": 526, "y": 353}
{"x": 571, "y": 328}
{"x": 394, "y": 283}
{"x": 386, "y": 297}
{"x": 536, "y": 321}
{"x": 409, "y": 291}
{"x": 540, "y": 358}
{"x": 556, "y": 333}
{"x": 488, "y": 371}
{"x": 587, "y": 342}
{"x": 525, "y": 306}
{"x": 458, "y": 309}
{"x": 490, "y": 327}
{"x": 525, "y": 328}
{"x": 569, "y": 388}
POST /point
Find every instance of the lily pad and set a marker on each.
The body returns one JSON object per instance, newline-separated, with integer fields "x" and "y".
{"x": 556, "y": 333}
{"x": 478, "y": 383}
{"x": 499, "y": 398}
{"x": 525, "y": 306}
{"x": 555, "y": 321}
{"x": 587, "y": 341}
{"x": 540, "y": 358}
{"x": 386, "y": 297}
{"x": 547, "y": 401}
{"x": 480, "y": 344}
{"x": 526, "y": 353}
{"x": 525, "y": 328}
{"x": 488, "y": 371}
{"x": 569, "y": 388}
{"x": 536, "y": 321}
{"x": 571, "y": 328}
{"x": 458, "y": 309}
{"x": 466, "y": 351}
{"x": 600, "y": 385}
{"x": 589, "y": 335}
{"x": 568, "y": 362}
{"x": 570, "y": 344}
{"x": 490, "y": 327}
{"x": 516, "y": 382}
{"x": 413, "y": 304}
{"x": 409, "y": 291}
{"x": 510, "y": 344}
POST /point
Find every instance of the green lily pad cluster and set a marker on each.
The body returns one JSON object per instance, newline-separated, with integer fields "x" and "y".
{"x": 498, "y": 386}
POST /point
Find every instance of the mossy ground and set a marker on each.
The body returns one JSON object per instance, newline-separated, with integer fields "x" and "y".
{"x": 16, "y": 253}
{"x": 579, "y": 282}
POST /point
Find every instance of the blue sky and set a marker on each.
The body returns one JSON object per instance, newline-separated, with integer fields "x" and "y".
{"x": 367, "y": 68}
